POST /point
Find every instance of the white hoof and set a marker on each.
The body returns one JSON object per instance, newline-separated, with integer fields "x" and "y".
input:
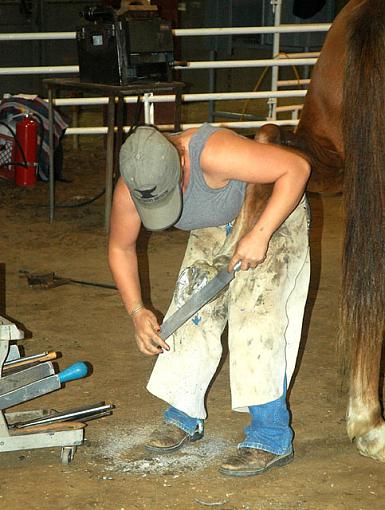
{"x": 191, "y": 280}
{"x": 372, "y": 444}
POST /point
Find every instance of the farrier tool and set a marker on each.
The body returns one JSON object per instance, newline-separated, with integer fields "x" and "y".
{"x": 42, "y": 386}
{"x": 197, "y": 301}
{"x": 84, "y": 413}
{"x": 25, "y": 378}
{"x": 51, "y": 280}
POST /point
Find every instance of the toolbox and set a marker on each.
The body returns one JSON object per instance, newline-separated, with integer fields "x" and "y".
{"x": 23, "y": 378}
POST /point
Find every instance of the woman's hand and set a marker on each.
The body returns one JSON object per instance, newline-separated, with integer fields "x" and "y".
{"x": 251, "y": 251}
{"x": 146, "y": 333}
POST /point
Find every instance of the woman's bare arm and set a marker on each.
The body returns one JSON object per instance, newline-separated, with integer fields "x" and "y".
{"x": 122, "y": 257}
{"x": 230, "y": 156}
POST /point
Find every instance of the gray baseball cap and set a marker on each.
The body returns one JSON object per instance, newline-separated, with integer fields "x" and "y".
{"x": 150, "y": 166}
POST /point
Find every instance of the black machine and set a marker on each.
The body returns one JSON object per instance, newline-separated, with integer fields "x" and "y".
{"x": 119, "y": 50}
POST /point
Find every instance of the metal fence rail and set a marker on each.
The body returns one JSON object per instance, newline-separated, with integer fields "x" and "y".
{"x": 271, "y": 96}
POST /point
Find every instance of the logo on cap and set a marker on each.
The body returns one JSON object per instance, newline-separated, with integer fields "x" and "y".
{"x": 146, "y": 195}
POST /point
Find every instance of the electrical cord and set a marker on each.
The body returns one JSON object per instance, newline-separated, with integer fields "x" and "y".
{"x": 81, "y": 204}
{"x": 259, "y": 81}
{"x": 133, "y": 126}
{"x": 256, "y": 87}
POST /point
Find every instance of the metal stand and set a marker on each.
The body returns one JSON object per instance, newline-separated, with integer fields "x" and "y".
{"x": 115, "y": 118}
{"x": 66, "y": 435}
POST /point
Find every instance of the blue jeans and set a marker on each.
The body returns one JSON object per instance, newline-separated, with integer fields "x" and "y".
{"x": 269, "y": 429}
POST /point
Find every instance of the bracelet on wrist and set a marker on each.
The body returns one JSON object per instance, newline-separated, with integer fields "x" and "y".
{"x": 136, "y": 309}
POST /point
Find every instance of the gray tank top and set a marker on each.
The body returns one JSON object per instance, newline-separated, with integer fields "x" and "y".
{"x": 204, "y": 206}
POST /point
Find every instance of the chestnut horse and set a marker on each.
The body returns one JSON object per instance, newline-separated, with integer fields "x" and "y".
{"x": 341, "y": 131}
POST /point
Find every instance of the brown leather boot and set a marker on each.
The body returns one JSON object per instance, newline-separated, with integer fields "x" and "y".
{"x": 169, "y": 438}
{"x": 251, "y": 461}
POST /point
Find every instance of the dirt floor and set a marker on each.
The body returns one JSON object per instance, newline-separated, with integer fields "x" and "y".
{"x": 111, "y": 470}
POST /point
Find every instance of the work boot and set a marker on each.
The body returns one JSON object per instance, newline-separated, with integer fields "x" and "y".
{"x": 251, "y": 461}
{"x": 169, "y": 438}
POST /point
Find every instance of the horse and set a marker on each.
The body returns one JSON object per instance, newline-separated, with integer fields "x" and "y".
{"x": 341, "y": 132}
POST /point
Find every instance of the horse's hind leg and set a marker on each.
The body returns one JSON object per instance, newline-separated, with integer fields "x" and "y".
{"x": 254, "y": 203}
{"x": 256, "y": 197}
{"x": 365, "y": 424}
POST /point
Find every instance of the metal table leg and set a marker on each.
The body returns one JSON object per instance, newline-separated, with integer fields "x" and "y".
{"x": 51, "y": 175}
{"x": 109, "y": 161}
{"x": 178, "y": 109}
{"x": 118, "y": 136}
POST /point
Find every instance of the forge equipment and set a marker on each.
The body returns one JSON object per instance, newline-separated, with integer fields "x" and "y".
{"x": 118, "y": 50}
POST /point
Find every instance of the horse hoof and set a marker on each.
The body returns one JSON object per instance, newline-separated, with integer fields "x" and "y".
{"x": 372, "y": 443}
{"x": 191, "y": 280}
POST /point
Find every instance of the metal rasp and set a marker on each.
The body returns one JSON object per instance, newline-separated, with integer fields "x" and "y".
{"x": 43, "y": 386}
{"x": 84, "y": 413}
{"x": 26, "y": 376}
{"x": 197, "y": 300}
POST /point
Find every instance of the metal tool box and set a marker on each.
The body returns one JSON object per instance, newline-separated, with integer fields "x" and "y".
{"x": 117, "y": 50}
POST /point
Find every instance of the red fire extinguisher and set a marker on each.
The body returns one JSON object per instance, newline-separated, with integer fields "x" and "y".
{"x": 25, "y": 151}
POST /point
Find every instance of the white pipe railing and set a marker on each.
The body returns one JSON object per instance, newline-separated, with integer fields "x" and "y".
{"x": 102, "y": 130}
{"x": 167, "y": 98}
{"x": 299, "y": 55}
{"x": 281, "y": 60}
{"x": 281, "y": 29}
{"x": 290, "y": 83}
{"x": 267, "y": 62}
{"x": 289, "y": 107}
{"x": 39, "y": 70}
{"x": 37, "y": 36}
{"x": 181, "y": 32}
{"x": 209, "y": 64}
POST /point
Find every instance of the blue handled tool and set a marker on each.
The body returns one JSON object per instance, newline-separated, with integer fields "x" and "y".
{"x": 76, "y": 371}
{"x": 43, "y": 386}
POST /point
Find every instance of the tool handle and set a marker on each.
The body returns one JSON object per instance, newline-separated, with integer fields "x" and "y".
{"x": 73, "y": 372}
{"x": 19, "y": 362}
{"x": 52, "y": 427}
{"x": 237, "y": 266}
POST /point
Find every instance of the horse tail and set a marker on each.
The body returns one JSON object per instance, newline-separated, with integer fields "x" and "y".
{"x": 362, "y": 322}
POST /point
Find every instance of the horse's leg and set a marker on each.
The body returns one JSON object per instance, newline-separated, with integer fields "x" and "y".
{"x": 195, "y": 277}
{"x": 254, "y": 203}
{"x": 363, "y": 276}
{"x": 365, "y": 424}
